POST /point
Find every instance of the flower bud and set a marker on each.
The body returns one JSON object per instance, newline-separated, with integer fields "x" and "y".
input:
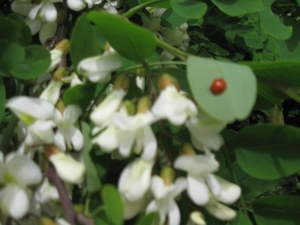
{"x": 129, "y": 106}
{"x": 46, "y": 221}
{"x": 168, "y": 175}
{"x": 122, "y": 81}
{"x": 50, "y": 150}
{"x": 144, "y": 104}
{"x": 64, "y": 46}
{"x": 196, "y": 218}
{"x": 60, "y": 73}
{"x": 166, "y": 80}
{"x": 187, "y": 149}
{"x": 61, "y": 107}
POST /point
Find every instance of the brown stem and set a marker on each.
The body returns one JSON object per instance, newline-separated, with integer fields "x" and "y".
{"x": 63, "y": 194}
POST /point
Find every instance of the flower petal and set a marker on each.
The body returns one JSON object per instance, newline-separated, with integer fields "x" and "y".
{"x": 67, "y": 168}
{"x": 174, "y": 214}
{"x": 150, "y": 144}
{"x": 127, "y": 143}
{"x": 49, "y": 12}
{"x": 229, "y": 192}
{"x": 52, "y": 92}
{"x": 24, "y": 170}
{"x": 14, "y": 201}
{"x": 47, "y": 31}
{"x": 72, "y": 113}
{"x": 197, "y": 190}
{"x": 219, "y": 210}
{"x": 76, "y": 5}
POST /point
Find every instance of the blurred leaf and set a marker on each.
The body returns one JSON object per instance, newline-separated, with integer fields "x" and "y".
{"x": 190, "y": 9}
{"x": 240, "y": 219}
{"x": 239, "y": 7}
{"x": 11, "y": 54}
{"x": 26, "y": 36}
{"x": 81, "y": 95}
{"x": 236, "y": 102}
{"x": 283, "y": 210}
{"x": 268, "y": 152}
{"x": 148, "y": 219}
{"x": 130, "y": 40}
{"x": 163, "y": 4}
{"x": 92, "y": 178}
{"x": 9, "y": 30}
{"x": 113, "y": 203}
{"x": 84, "y": 42}
{"x": 171, "y": 19}
{"x": 2, "y": 98}
{"x": 270, "y": 23}
{"x": 37, "y": 62}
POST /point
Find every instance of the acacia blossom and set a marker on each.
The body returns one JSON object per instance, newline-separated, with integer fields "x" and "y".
{"x": 163, "y": 201}
{"x": 16, "y": 173}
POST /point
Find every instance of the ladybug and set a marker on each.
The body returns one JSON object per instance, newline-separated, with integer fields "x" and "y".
{"x": 218, "y": 86}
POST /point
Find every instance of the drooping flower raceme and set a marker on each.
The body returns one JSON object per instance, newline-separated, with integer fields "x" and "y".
{"x": 163, "y": 201}
{"x": 16, "y": 173}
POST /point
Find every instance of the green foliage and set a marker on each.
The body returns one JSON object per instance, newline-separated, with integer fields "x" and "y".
{"x": 12, "y": 54}
{"x": 238, "y": 8}
{"x": 80, "y": 95}
{"x": 83, "y": 41}
{"x": 240, "y": 219}
{"x": 235, "y": 102}
{"x": 283, "y": 210}
{"x": 2, "y": 97}
{"x": 190, "y": 9}
{"x": 113, "y": 204}
{"x": 37, "y": 62}
{"x": 268, "y": 152}
{"x": 131, "y": 41}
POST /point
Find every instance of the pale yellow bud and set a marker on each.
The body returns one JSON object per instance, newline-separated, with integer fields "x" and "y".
{"x": 60, "y": 73}
{"x": 122, "y": 81}
{"x": 168, "y": 175}
{"x": 187, "y": 149}
{"x": 64, "y": 46}
{"x": 144, "y": 104}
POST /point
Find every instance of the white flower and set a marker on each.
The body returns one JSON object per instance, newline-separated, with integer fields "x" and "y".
{"x": 102, "y": 114}
{"x": 40, "y": 132}
{"x": 45, "y": 10}
{"x": 140, "y": 82}
{"x": 73, "y": 80}
{"x": 205, "y": 132}
{"x": 196, "y": 218}
{"x": 56, "y": 56}
{"x": 29, "y": 109}
{"x": 135, "y": 179}
{"x": 52, "y": 92}
{"x": 220, "y": 211}
{"x": 99, "y": 68}
{"x": 110, "y": 138}
{"x": 17, "y": 172}
{"x": 78, "y": 5}
{"x": 138, "y": 133}
{"x": 67, "y": 134}
{"x": 67, "y": 168}
{"x": 46, "y": 192}
{"x": 174, "y": 106}
{"x": 47, "y": 31}
{"x": 164, "y": 202}
{"x": 200, "y": 179}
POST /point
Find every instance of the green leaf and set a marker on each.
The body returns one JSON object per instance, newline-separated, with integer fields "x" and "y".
{"x": 81, "y": 95}
{"x": 84, "y": 42}
{"x": 163, "y": 4}
{"x": 92, "y": 178}
{"x": 240, "y": 219}
{"x": 238, "y": 7}
{"x": 9, "y": 29}
{"x": 190, "y": 9}
{"x": 11, "y": 54}
{"x": 37, "y": 62}
{"x": 25, "y": 37}
{"x": 270, "y": 23}
{"x": 148, "y": 219}
{"x": 289, "y": 49}
{"x": 283, "y": 210}
{"x": 171, "y": 19}
{"x": 113, "y": 203}
{"x": 2, "y": 98}
{"x": 236, "y": 102}
{"x": 268, "y": 152}
{"x": 130, "y": 40}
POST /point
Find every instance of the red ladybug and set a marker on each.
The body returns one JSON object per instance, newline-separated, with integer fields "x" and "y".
{"x": 218, "y": 86}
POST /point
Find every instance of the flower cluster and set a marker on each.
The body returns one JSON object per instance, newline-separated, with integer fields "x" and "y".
{"x": 127, "y": 127}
